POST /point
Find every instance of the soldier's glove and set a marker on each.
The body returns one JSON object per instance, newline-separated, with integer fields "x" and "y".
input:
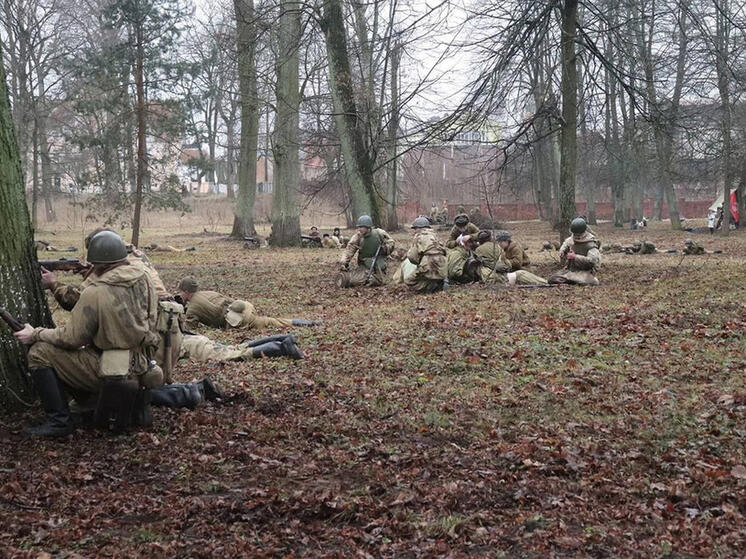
{"x": 344, "y": 267}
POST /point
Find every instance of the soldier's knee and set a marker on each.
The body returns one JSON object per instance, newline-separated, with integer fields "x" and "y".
{"x": 39, "y": 355}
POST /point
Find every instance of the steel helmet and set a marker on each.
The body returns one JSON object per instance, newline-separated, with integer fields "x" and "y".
{"x": 578, "y": 226}
{"x": 106, "y": 247}
{"x": 364, "y": 221}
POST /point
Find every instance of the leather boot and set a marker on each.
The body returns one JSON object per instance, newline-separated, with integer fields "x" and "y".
{"x": 286, "y": 348}
{"x": 59, "y": 421}
{"x": 177, "y": 396}
{"x": 275, "y": 337}
{"x": 304, "y": 322}
{"x": 211, "y": 390}
{"x": 142, "y": 415}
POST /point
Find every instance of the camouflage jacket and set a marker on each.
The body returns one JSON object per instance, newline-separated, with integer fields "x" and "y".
{"x": 428, "y": 254}
{"x": 356, "y": 243}
{"x": 67, "y": 295}
{"x": 117, "y": 310}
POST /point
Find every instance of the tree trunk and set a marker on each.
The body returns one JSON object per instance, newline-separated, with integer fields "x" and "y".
{"x": 243, "y": 222}
{"x": 392, "y": 223}
{"x": 285, "y": 208}
{"x": 21, "y": 292}
{"x": 35, "y": 175}
{"x": 569, "y": 138}
{"x": 722, "y": 37}
{"x": 141, "y": 148}
{"x": 350, "y": 125}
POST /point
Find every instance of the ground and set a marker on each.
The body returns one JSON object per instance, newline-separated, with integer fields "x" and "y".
{"x": 484, "y": 421}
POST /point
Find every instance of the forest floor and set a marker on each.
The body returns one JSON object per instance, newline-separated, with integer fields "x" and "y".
{"x": 484, "y": 421}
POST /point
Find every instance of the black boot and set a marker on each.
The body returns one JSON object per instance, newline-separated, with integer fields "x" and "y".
{"x": 211, "y": 390}
{"x": 277, "y": 349}
{"x": 177, "y": 396}
{"x": 59, "y": 421}
{"x": 142, "y": 415}
{"x": 304, "y": 322}
{"x": 275, "y": 337}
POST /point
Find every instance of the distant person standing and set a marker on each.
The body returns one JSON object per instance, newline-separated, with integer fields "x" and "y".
{"x": 711, "y": 221}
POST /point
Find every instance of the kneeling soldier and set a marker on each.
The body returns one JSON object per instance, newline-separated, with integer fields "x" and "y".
{"x": 372, "y": 246}
{"x": 581, "y": 255}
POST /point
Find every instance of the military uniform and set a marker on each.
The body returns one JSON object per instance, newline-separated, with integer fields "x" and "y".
{"x": 582, "y": 269}
{"x": 496, "y": 269}
{"x": 116, "y": 310}
{"x": 366, "y": 246}
{"x": 428, "y": 254}
{"x": 690, "y": 247}
{"x": 330, "y": 242}
{"x": 202, "y": 348}
{"x": 456, "y": 232}
{"x": 644, "y": 247}
{"x": 516, "y": 257}
{"x": 218, "y": 311}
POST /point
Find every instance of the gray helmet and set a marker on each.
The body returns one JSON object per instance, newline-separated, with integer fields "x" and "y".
{"x": 504, "y": 236}
{"x": 578, "y": 226}
{"x": 189, "y": 285}
{"x": 461, "y": 219}
{"x": 106, "y": 247}
{"x": 364, "y": 221}
{"x": 95, "y": 232}
{"x": 420, "y": 222}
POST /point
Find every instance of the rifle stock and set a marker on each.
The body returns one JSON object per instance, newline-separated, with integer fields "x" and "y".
{"x": 14, "y": 324}
{"x": 64, "y": 265}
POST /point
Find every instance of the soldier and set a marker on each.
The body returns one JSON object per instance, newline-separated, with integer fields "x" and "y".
{"x": 218, "y": 311}
{"x": 496, "y": 268}
{"x": 513, "y": 253}
{"x": 314, "y": 232}
{"x": 109, "y": 340}
{"x": 370, "y": 243}
{"x": 690, "y": 247}
{"x": 428, "y": 255}
{"x": 643, "y": 247}
{"x": 328, "y": 241}
{"x": 202, "y": 348}
{"x": 581, "y": 255}
{"x": 338, "y": 234}
{"x": 462, "y": 231}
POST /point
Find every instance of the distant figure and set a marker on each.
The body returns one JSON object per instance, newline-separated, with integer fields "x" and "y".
{"x": 342, "y": 240}
{"x": 692, "y": 248}
{"x": 328, "y": 241}
{"x": 314, "y": 232}
{"x": 372, "y": 245}
{"x": 711, "y": 221}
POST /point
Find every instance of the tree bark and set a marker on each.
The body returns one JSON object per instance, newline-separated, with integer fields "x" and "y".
{"x": 285, "y": 207}
{"x": 21, "y": 292}
{"x": 569, "y": 138}
{"x": 392, "y": 223}
{"x": 141, "y": 148}
{"x": 243, "y": 222}
{"x": 358, "y": 162}
{"x": 722, "y": 37}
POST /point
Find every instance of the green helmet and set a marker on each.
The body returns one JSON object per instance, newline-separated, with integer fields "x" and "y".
{"x": 106, "y": 247}
{"x": 94, "y": 233}
{"x": 461, "y": 220}
{"x": 189, "y": 285}
{"x": 420, "y": 222}
{"x": 578, "y": 226}
{"x": 364, "y": 221}
{"x": 504, "y": 236}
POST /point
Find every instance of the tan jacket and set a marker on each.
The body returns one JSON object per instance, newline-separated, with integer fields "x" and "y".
{"x": 587, "y": 253}
{"x": 67, "y": 295}
{"x": 516, "y": 257}
{"x": 207, "y": 307}
{"x": 356, "y": 242}
{"x": 469, "y": 229}
{"x": 117, "y": 310}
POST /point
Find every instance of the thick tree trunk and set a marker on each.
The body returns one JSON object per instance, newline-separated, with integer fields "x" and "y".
{"x": 285, "y": 208}
{"x": 350, "y": 124}
{"x": 21, "y": 292}
{"x": 392, "y": 222}
{"x": 569, "y": 139}
{"x": 243, "y": 222}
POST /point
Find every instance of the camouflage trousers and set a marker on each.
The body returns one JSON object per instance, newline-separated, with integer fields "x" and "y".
{"x": 574, "y": 277}
{"x": 202, "y": 348}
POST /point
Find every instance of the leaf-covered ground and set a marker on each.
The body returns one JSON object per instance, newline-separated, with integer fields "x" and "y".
{"x": 484, "y": 422}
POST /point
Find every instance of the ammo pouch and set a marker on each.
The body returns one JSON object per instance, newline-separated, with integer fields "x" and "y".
{"x": 166, "y": 310}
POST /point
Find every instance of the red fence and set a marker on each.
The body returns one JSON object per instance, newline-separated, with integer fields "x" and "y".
{"x": 689, "y": 209}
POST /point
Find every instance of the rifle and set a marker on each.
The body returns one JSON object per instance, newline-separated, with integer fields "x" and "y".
{"x": 14, "y": 324}
{"x": 373, "y": 265}
{"x": 167, "y": 357}
{"x": 64, "y": 265}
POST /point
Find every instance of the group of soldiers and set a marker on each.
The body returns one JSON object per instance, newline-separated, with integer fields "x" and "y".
{"x": 468, "y": 255}
{"x": 114, "y": 357}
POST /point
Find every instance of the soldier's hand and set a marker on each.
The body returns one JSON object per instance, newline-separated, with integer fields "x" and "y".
{"x": 48, "y": 280}
{"x": 25, "y": 336}
{"x": 570, "y": 255}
